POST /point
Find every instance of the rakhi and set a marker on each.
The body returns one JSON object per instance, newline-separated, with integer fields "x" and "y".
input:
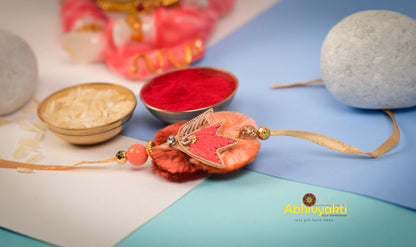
{"x": 217, "y": 142}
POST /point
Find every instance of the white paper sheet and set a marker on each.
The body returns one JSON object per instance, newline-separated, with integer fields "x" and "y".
{"x": 83, "y": 207}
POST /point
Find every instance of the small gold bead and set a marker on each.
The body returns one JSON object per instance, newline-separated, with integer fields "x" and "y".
{"x": 121, "y": 157}
{"x": 263, "y": 132}
{"x": 193, "y": 139}
{"x": 149, "y": 146}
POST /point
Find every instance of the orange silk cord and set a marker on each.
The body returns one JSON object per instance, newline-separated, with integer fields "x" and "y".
{"x": 15, "y": 164}
{"x": 339, "y": 146}
{"x": 332, "y": 143}
{"x": 296, "y": 84}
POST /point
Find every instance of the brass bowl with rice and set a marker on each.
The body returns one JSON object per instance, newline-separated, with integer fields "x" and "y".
{"x": 88, "y": 113}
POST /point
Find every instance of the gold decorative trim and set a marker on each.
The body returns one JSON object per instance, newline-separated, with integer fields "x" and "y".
{"x": 89, "y": 28}
{"x": 135, "y": 6}
{"x": 191, "y": 50}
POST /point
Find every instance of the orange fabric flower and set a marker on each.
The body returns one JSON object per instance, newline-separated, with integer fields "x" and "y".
{"x": 177, "y": 166}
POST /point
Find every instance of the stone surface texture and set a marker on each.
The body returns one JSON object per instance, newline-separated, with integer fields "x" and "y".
{"x": 368, "y": 60}
{"x": 18, "y": 72}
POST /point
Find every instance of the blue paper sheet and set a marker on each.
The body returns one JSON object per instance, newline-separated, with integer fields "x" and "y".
{"x": 282, "y": 46}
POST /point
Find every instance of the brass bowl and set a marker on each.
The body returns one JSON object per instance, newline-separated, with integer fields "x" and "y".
{"x": 91, "y": 135}
{"x": 171, "y": 117}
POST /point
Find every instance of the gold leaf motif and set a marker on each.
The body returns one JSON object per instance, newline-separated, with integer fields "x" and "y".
{"x": 194, "y": 124}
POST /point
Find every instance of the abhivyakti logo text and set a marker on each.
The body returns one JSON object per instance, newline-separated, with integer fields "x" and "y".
{"x": 309, "y": 206}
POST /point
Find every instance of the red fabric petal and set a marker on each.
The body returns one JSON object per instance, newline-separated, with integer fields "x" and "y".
{"x": 172, "y": 163}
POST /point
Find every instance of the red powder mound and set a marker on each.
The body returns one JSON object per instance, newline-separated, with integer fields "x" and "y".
{"x": 188, "y": 89}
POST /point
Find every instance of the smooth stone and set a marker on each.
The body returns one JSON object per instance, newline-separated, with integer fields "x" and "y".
{"x": 18, "y": 72}
{"x": 368, "y": 60}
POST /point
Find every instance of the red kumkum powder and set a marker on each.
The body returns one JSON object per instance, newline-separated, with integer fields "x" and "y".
{"x": 188, "y": 89}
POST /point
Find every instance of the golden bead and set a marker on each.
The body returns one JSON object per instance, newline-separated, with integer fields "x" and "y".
{"x": 263, "y": 132}
{"x": 149, "y": 146}
{"x": 121, "y": 157}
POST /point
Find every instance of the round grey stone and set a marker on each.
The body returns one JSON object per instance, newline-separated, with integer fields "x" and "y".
{"x": 18, "y": 72}
{"x": 368, "y": 60}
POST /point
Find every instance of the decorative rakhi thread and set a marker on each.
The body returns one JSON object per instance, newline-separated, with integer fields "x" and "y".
{"x": 212, "y": 143}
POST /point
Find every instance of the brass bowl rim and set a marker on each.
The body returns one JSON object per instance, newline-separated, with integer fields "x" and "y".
{"x": 93, "y": 133}
{"x": 195, "y": 110}
{"x": 94, "y": 129}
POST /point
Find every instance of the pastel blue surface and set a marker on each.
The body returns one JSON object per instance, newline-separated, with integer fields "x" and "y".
{"x": 282, "y": 46}
{"x": 247, "y": 209}
{"x": 10, "y": 239}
